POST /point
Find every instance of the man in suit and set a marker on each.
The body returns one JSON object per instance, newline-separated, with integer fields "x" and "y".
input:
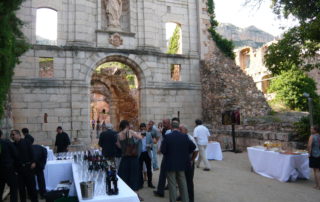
{"x": 27, "y": 136}
{"x": 176, "y": 149}
{"x": 8, "y": 174}
{"x": 146, "y": 155}
{"x": 40, "y": 156}
{"x": 107, "y": 141}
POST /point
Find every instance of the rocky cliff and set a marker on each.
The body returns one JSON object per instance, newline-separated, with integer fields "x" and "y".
{"x": 250, "y": 36}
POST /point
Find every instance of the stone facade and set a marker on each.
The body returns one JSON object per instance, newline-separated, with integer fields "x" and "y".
{"x": 84, "y": 43}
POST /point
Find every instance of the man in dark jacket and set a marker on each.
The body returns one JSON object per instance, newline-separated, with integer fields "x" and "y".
{"x": 8, "y": 174}
{"x": 27, "y": 136}
{"x": 40, "y": 156}
{"x": 26, "y": 166}
{"x": 176, "y": 149}
{"x": 107, "y": 141}
{"x": 62, "y": 141}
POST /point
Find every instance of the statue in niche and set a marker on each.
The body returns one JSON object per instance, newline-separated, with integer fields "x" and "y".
{"x": 113, "y": 11}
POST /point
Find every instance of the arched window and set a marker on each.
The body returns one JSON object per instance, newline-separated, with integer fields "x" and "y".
{"x": 173, "y": 38}
{"x": 245, "y": 59}
{"x": 46, "y": 26}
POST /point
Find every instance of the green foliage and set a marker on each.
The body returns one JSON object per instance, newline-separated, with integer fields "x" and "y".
{"x": 174, "y": 43}
{"x": 223, "y": 44}
{"x": 12, "y": 45}
{"x": 289, "y": 88}
{"x": 300, "y": 44}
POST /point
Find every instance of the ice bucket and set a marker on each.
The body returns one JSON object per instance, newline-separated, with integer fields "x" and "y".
{"x": 87, "y": 190}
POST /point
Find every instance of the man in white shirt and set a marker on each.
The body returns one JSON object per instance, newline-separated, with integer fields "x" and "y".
{"x": 201, "y": 134}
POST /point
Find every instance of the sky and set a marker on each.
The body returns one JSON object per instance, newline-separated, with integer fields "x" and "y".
{"x": 46, "y": 23}
{"x": 234, "y": 12}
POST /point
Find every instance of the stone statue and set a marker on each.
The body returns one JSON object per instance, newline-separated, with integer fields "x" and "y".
{"x": 113, "y": 11}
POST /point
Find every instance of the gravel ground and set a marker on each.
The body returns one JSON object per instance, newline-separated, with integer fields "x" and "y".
{"x": 231, "y": 180}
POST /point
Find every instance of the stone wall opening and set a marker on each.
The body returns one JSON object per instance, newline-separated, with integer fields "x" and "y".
{"x": 46, "y": 26}
{"x": 114, "y": 94}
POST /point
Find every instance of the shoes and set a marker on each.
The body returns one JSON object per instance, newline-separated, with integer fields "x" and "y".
{"x": 179, "y": 198}
{"x": 198, "y": 166}
{"x": 140, "y": 198}
{"x": 156, "y": 193}
{"x": 206, "y": 169}
{"x": 151, "y": 186}
{"x": 156, "y": 169}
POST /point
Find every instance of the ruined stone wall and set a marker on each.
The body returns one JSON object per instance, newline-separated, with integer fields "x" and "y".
{"x": 225, "y": 86}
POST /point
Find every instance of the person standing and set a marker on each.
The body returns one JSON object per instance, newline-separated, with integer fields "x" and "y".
{"x": 201, "y": 134}
{"x": 40, "y": 156}
{"x": 155, "y": 133}
{"x": 190, "y": 170}
{"x": 314, "y": 154}
{"x": 98, "y": 128}
{"x": 129, "y": 165}
{"x": 166, "y": 130}
{"x": 26, "y": 166}
{"x": 62, "y": 140}
{"x": 176, "y": 149}
{"x": 27, "y": 136}
{"x": 146, "y": 155}
{"x": 8, "y": 174}
{"x": 93, "y": 124}
{"x": 107, "y": 141}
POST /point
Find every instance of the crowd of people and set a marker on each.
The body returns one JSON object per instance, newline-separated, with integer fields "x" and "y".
{"x": 22, "y": 163}
{"x": 135, "y": 154}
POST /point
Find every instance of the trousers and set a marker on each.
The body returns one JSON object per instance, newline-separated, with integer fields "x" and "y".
{"x": 203, "y": 156}
{"x": 189, "y": 178}
{"x": 155, "y": 156}
{"x": 144, "y": 157}
{"x": 9, "y": 177}
{"x": 26, "y": 179}
{"x": 179, "y": 177}
{"x": 162, "y": 178}
{"x": 41, "y": 181}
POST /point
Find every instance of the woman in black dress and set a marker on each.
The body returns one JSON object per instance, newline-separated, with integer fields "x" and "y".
{"x": 128, "y": 141}
{"x": 314, "y": 153}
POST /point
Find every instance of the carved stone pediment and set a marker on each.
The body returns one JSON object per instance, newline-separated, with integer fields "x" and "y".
{"x": 116, "y": 40}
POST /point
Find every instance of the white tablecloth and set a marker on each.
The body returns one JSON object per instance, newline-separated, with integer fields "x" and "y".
{"x": 278, "y": 166}
{"x": 125, "y": 193}
{"x": 57, "y": 171}
{"x": 50, "y": 155}
{"x": 214, "y": 151}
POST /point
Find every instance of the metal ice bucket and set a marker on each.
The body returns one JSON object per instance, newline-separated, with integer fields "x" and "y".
{"x": 87, "y": 189}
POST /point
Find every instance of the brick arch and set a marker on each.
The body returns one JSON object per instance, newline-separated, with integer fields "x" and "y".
{"x": 137, "y": 65}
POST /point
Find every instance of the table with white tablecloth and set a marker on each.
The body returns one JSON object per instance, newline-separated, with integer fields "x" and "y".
{"x": 57, "y": 171}
{"x": 282, "y": 167}
{"x": 125, "y": 192}
{"x": 214, "y": 151}
{"x": 50, "y": 154}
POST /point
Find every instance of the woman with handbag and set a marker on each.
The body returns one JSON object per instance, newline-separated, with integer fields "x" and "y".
{"x": 128, "y": 141}
{"x": 314, "y": 154}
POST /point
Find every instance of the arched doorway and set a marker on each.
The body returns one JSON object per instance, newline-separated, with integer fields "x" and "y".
{"x": 115, "y": 93}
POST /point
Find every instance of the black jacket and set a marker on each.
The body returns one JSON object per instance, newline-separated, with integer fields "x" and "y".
{"x": 8, "y": 154}
{"x": 25, "y": 152}
{"x": 108, "y": 141}
{"x": 62, "y": 142}
{"x": 40, "y": 154}
{"x": 176, "y": 148}
{"x": 29, "y": 138}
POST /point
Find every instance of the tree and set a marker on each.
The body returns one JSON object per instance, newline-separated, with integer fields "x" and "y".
{"x": 299, "y": 44}
{"x": 289, "y": 87}
{"x": 174, "y": 43}
{"x": 12, "y": 45}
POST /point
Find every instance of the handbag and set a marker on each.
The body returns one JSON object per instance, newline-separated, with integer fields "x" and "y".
{"x": 131, "y": 149}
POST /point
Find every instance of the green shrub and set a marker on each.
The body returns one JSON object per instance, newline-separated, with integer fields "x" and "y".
{"x": 289, "y": 88}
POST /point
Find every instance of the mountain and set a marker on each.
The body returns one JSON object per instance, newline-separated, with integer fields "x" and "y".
{"x": 249, "y": 36}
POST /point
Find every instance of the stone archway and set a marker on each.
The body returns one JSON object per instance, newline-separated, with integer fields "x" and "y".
{"x": 112, "y": 87}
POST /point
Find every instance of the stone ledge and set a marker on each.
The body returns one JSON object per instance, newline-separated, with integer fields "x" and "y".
{"x": 37, "y": 82}
{"x": 112, "y": 50}
{"x": 120, "y": 32}
{"x": 173, "y": 86}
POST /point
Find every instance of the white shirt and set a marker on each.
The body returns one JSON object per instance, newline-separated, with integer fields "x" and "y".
{"x": 201, "y": 133}
{"x": 194, "y": 141}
